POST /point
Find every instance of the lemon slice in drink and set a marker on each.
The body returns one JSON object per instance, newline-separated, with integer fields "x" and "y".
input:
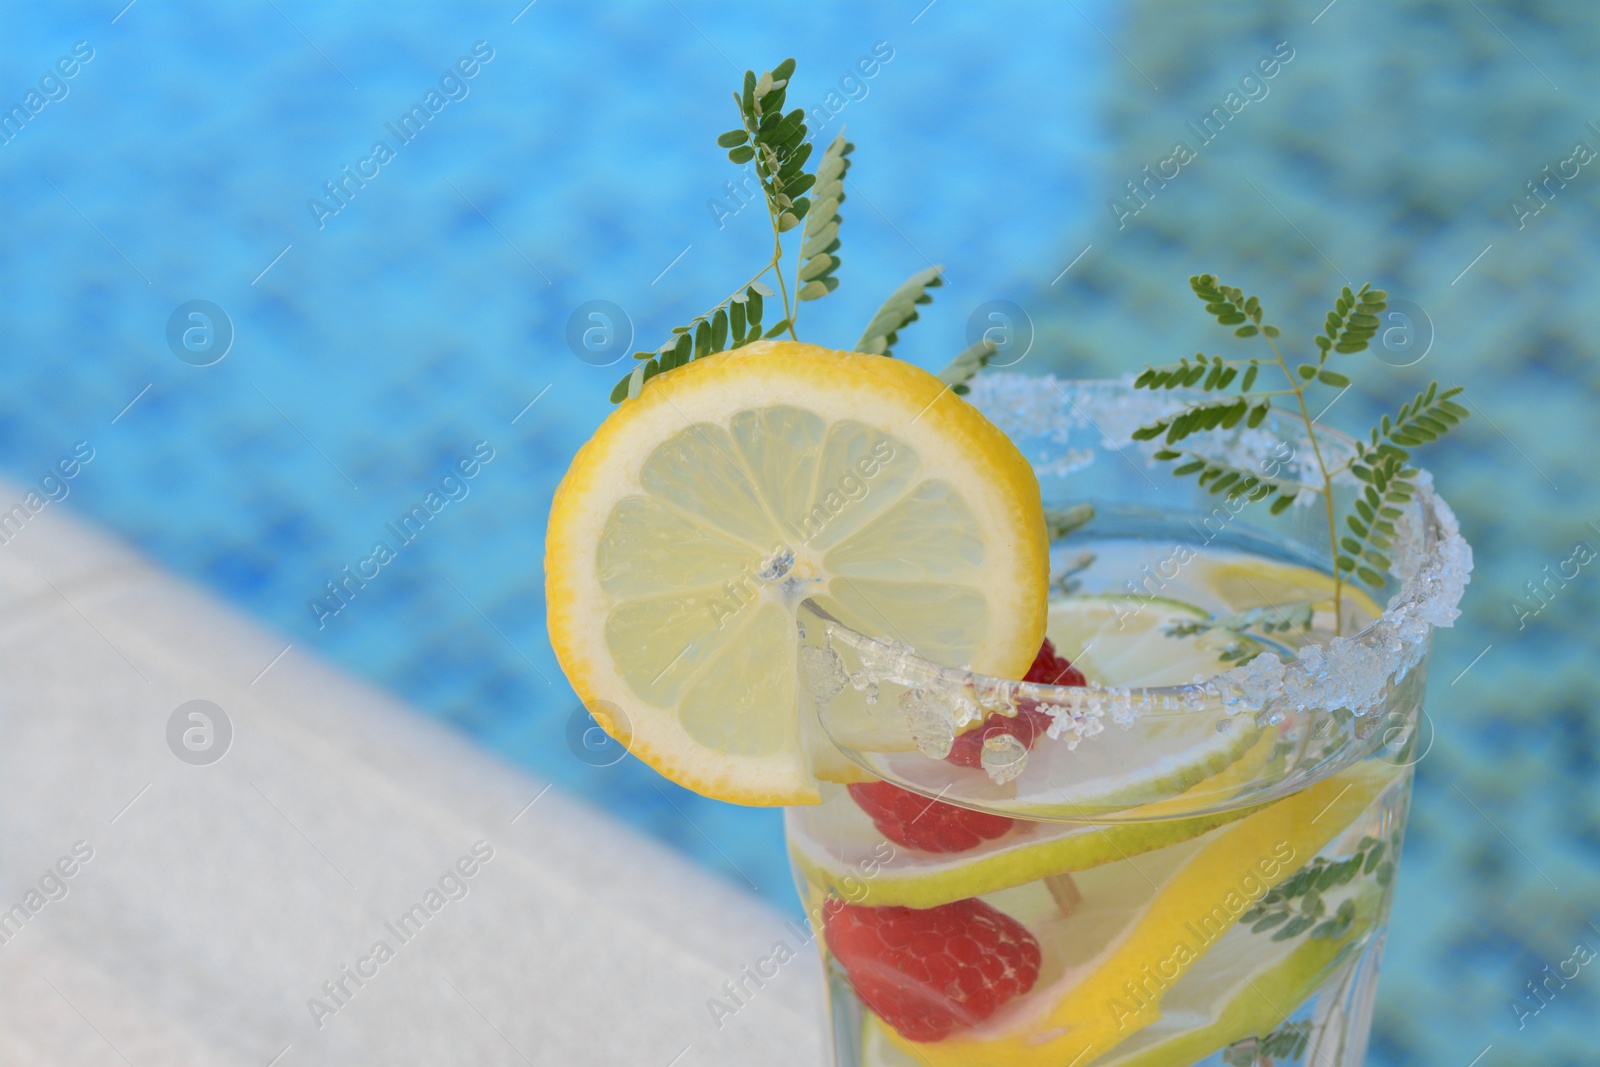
{"x": 698, "y": 516}
{"x": 1162, "y": 753}
{"x": 1118, "y": 640}
{"x": 1260, "y": 583}
{"x": 1030, "y": 851}
{"x": 1157, "y": 915}
{"x": 1241, "y": 988}
{"x": 1244, "y": 987}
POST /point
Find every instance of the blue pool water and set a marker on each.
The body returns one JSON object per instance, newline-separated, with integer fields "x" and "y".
{"x": 419, "y": 318}
{"x": 420, "y": 312}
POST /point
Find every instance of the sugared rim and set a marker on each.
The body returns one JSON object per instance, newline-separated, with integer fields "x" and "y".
{"x": 1431, "y": 560}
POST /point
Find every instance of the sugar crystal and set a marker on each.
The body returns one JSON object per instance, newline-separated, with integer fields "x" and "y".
{"x": 1003, "y": 757}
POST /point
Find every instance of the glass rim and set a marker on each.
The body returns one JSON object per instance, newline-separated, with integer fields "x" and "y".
{"x": 1431, "y": 561}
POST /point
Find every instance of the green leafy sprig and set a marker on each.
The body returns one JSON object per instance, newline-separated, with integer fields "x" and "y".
{"x": 1286, "y": 1044}
{"x": 1276, "y": 619}
{"x": 1382, "y": 464}
{"x": 776, "y": 143}
{"x": 1358, "y": 547}
{"x": 1264, "y": 621}
{"x": 1296, "y": 906}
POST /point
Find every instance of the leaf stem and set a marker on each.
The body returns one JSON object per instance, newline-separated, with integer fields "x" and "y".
{"x": 1299, "y": 387}
{"x": 777, "y": 265}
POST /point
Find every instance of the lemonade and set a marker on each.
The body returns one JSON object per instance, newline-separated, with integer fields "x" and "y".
{"x": 1174, "y": 842}
{"x": 1120, "y": 782}
{"x": 1191, "y": 919}
{"x": 1110, "y": 783}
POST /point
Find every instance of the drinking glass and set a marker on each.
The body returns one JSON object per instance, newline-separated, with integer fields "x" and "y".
{"x": 1189, "y": 859}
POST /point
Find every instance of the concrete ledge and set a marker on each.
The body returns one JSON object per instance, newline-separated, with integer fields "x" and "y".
{"x": 219, "y": 898}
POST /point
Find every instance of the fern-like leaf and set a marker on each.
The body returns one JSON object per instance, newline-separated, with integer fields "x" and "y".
{"x": 1424, "y": 419}
{"x": 731, "y": 324}
{"x": 883, "y": 332}
{"x": 776, "y": 141}
{"x": 1209, "y": 373}
{"x": 819, "y": 254}
{"x": 1231, "y": 307}
{"x": 1389, "y": 486}
{"x": 961, "y": 370}
{"x": 1236, "y": 482}
{"x": 1204, "y": 415}
{"x": 1351, "y": 324}
{"x": 1389, "y": 483}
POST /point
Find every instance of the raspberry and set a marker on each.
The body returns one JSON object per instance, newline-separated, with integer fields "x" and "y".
{"x": 918, "y": 822}
{"x": 1052, "y": 669}
{"x": 1029, "y": 723}
{"x": 928, "y": 971}
{"x": 1027, "y": 726}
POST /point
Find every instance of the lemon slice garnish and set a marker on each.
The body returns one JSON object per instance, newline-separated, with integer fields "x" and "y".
{"x": 688, "y": 529}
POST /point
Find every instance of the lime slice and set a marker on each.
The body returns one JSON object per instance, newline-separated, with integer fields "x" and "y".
{"x": 688, "y": 529}
{"x": 1161, "y": 913}
{"x": 908, "y": 877}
